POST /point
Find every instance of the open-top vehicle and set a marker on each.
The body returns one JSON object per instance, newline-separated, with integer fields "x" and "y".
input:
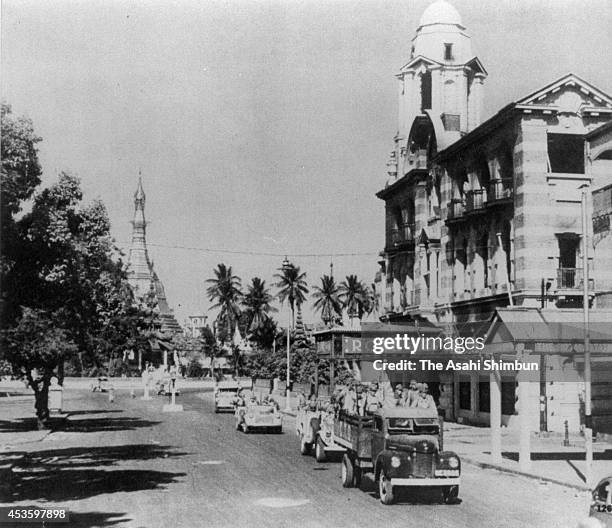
{"x": 402, "y": 447}
{"x": 101, "y": 385}
{"x": 257, "y": 417}
{"x": 315, "y": 428}
{"x": 225, "y": 394}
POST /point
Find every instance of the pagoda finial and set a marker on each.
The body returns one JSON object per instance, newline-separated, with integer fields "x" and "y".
{"x": 139, "y": 195}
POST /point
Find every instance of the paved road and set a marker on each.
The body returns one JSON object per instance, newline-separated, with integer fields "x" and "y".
{"x": 135, "y": 466}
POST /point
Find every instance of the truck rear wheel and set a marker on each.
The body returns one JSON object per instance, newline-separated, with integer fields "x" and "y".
{"x": 305, "y": 447}
{"x": 385, "y": 489}
{"x": 320, "y": 455}
{"x": 348, "y": 472}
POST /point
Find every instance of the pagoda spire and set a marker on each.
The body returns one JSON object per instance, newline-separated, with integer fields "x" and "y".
{"x": 139, "y": 265}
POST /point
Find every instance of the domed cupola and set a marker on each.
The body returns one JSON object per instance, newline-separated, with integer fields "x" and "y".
{"x": 441, "y": 35}
{"x": 440, "y": 12}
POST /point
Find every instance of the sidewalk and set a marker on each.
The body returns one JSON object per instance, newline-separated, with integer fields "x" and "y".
{"x": 551, "y": 461}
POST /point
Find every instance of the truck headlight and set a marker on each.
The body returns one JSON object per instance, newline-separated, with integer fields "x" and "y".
{"x": 453, "y": 462}
{"x": 395, "y": 462}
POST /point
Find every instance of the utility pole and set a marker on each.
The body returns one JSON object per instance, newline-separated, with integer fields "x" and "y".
{"x": 588, "y": 421}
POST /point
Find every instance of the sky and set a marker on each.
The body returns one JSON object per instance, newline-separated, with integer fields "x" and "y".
{"x": 259, "y": 126}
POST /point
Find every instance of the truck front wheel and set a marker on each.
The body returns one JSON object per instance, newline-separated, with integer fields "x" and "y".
{"x": 385, "y": 489}
{"x": 450, "y": 494}
{"x": 348, "y": 472}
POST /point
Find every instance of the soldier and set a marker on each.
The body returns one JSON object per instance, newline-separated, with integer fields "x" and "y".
{"x": 425, "y": 400}
{"x": 238, "y": 400}
{"x": 349, "y": 400}
{"x": 400, "y": 400}
{"x": 412, "y": 394}
{"x": 252, "y": 401}
{"x": 373, "y": 400}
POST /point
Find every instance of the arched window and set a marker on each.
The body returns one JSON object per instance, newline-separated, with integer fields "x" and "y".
{"x": 426, "y": 91}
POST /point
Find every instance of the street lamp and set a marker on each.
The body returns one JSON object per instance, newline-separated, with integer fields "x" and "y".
{"x": 286, "y": 267}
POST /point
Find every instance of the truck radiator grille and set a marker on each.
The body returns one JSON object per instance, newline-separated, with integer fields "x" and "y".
{"x": 422, "y": 465}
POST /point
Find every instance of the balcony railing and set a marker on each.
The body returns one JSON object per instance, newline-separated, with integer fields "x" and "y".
{"x": 403, "y": 234}
{"x": 474, "y": 200}
{"x": 418, "y": 159}
{"x": 500, "y": 190}
{"x": 456, "y": 210}
{"x": 571, "y": 279}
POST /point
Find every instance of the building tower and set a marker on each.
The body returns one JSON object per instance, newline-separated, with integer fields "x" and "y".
{"x": 440, "y": 90}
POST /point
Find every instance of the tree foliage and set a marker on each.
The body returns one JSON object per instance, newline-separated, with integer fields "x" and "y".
{"x": 327, "y": 300}
{"x": 257, "y": 304}
{"x": 291, "y": 286}
{"x": 64, "y": 285}
{"x": 225, "y": 292}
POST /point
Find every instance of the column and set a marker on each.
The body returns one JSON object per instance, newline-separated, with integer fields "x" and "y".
{"x": 496, "y": 415}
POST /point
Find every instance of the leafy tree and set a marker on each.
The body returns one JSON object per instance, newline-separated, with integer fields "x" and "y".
{"x": 64, "y": 289}
{"x": 34, "y": 347}
{"x": 372, "y": 299}
{"x": 327, "y": 300}
{"x": 225, "y": 292}
{"x": 19, "y": 176}
{"x": 353, "y": 297}
{"x": 265, "y": 335}
{"x": 256, "y": 302}
{"x": 291, "y": 287}
{"x": 211, "y": 348}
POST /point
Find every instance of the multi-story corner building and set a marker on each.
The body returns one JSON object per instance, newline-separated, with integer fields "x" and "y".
{"x": 475, "y": 210}
{"x": 487, "y": 214}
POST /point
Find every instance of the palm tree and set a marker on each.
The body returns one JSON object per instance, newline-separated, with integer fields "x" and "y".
{"x": 257, "y": 304}
{"x": 372, "y": 299}
{"x": 291, "y": 287}
{"x": 225, "y": 293}
{"x": 353, "y": 297}
{"x": 327, "y": 300}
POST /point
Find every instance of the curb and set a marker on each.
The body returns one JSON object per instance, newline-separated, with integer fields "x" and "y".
{"x": 490, "y": 465}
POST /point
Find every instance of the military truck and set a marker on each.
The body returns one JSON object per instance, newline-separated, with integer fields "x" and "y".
{"x": 402, "y": 447}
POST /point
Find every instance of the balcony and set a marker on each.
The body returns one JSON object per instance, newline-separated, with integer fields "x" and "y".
{"x": 572, "y": 279}
{"x": 456, "y": 211}
{"x": 500, "y": 191}
{"x": 403, "y": 235}
{"x": 417, "y": 159}
{"x": 475, "y": 201}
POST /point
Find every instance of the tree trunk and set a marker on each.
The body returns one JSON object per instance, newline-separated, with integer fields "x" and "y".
{"x": 41, "y": 399}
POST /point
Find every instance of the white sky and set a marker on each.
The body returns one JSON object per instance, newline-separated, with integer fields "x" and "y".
{"x": 254, "y": 120}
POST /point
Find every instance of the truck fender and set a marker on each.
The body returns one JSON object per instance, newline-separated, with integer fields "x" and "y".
{"x": 445, "y": 455}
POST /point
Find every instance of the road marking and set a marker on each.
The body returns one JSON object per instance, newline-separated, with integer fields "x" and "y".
{"x": 279, "y": 502}
{"x": 208, "y": 462}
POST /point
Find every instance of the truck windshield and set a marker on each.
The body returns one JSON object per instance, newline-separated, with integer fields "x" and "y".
{"x": 413, "y": 425}
{"x": 400, "y": 425}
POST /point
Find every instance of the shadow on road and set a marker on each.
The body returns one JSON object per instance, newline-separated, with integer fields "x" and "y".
{"x": 79, "y": 425}
{"x": 77, "y": 519}
{"x": 82, "y": 472}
